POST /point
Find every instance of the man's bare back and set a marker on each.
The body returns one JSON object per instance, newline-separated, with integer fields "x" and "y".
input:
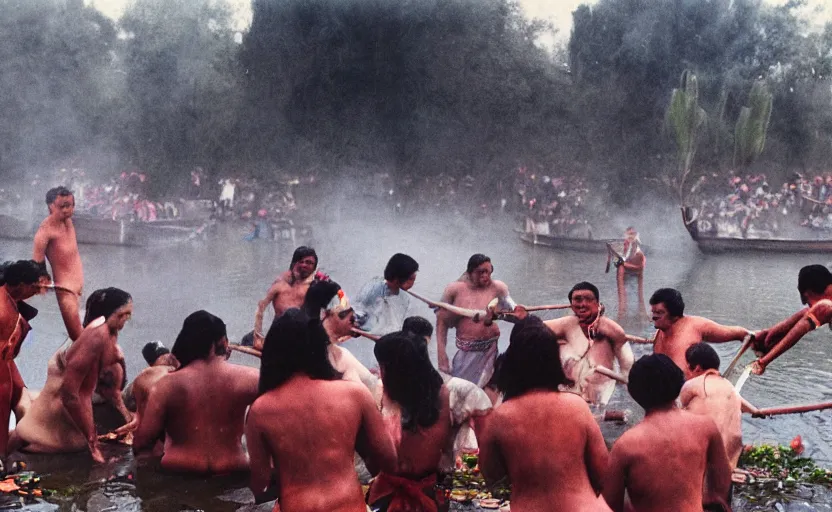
{"x": 419, "y": 452}
{"x": 661, "y": 463}
{"x": 610, "y": 345}
{"x": 55, "y": 240}
{"x": 559, "y": 467}
{"x": 309, "y": 430}
{"x": 714, "y": 396}
{"x": 201, "y": 410}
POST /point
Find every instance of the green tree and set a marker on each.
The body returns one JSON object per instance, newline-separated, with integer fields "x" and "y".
{"x": 752, "y": 125}
{"x": 685, "y": 118}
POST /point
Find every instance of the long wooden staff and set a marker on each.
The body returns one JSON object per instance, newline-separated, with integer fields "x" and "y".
{"x": 370, "y": 336}
{"x": 790, "y": 409}
{"x": 746, "y": 342}
{"x": 637, "y": 339}
{"x": 245, "y": 350}
{"x": 603, "y": 370}
{"x": 546, "y": 308}
{"x": 58, "y": 288}
{"x": 474, "y": 314}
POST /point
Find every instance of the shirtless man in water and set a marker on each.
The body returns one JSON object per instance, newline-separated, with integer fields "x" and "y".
{"x": 662, "y": 462}
{"x": 677, "y": 332}
{"x": 814, "y": 283}
{"x": 60, "y": 419}
{"x": 288, "y": 290}
{"x": 545, "y": 441}
{"x": 161, "y": 363}
{"x": 476, "y": 342}
{"x": 304, "y": 428}
{"x": 201, "y": 406}
{"x": 588, "y": 341}
{"x": 55, "y": 240}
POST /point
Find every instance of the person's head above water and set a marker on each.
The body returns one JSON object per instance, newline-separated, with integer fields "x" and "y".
{"x": 409, "y": 378}
{"x": 479, "y": 270}
{"x": 532, "y": 360}
{"x": 304, "y": 262}
{"x": 401, "y": 271}
{"x": 202, "y": 335}
{"x": 326, "y": 301}
{"x": 418, "y": 326}
{"x": 61, "y": 202}
{"x": 812, "y": 281}
{"x": 700, "y": 358}
{"x": 23, "y": 278}
{"x": 655, "y": 381}
{"x": 113, "y": 304}
{"x": 295, "y": 344}
{"x": 156, "y": 354}
{"x": 667, "y": 306}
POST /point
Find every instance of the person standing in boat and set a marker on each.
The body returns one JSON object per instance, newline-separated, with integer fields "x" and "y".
{"x": 380, "y": 305}
{"x": 588, "y": 340}
{"x": 55, "y": 240}
{"x": 814, "y": 283}
{"x": 476, "y": 341}
{"x": 19, "y": 281}
{"x": 288, "y": 291}
{"x": 677, "y": 332}
{"x": 630, "y": 264}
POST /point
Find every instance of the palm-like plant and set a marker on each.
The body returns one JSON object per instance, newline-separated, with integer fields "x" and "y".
{"x": 686, "y": 119}
{"x": 752, "y": 125}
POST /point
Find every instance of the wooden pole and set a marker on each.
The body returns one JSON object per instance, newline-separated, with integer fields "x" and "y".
{"x": 369, "y": 336}
{"x": 746, "y": 342}
{"x": 245, "y": 350}
{"x": 603, "y": 370}
{"x": 790, "y": 409}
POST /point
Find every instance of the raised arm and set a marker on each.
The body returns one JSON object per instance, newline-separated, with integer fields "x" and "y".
{"x": 613, "y": 489}
{"x": 261, "y": 463}
{"x": 443, "y": 322}
{"x": 716, "y": 333}
{"x": 374, "y": 443}
{"x": 718, "y": 471}
{"x": 766, "y": 338}
{"x": 259, "y": 335}
{"x": 820, "y": 313}
{"x": 81, "y": 358}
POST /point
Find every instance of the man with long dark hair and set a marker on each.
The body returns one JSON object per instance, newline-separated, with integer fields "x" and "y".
{"x": 201, "y": 406}
{"x": 544, "y": 440}
{"x": 307, "y": 423}
{"x": 60, "y": 419}
{"x": 418, "y": 403}
{"x": 381, "y": 305}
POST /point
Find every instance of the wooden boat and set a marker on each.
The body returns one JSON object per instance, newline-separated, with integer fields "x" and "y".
{"x": 102, "y": 231}
{"x": 596, "y": 245}
{"x": 710, "y": 244}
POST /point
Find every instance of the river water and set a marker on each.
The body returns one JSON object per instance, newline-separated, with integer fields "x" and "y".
{"x": 227, "y": 276}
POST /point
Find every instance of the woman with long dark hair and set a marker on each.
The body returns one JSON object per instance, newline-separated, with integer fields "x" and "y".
{"x": 416, "y": 404}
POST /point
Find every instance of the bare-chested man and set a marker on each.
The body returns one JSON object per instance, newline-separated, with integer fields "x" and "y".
{"x": 677, "y": 332}
{"x": 814, "y": 283}
{"x": 60, "y": 419}
{"x": 545, "y": 441}
{"x": 588, "y": 341}
{"x": 287, "y": 291}
{"x": 630, "y": 264}
{"x": 201, "y": 407}
{"x": 161, "y": 362}
{"x": 707, "y": 392}
{"x": 55, "y": 240}
{"x": 661, "y": 463}
{"x": 419, "y": 423}
{"x": 476, "y": 342}
{"x": 304, "y": 428}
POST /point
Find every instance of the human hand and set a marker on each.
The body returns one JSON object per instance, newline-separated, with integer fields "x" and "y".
{"x": 128, "y": 427}
{"x": 444, "y": 363}
{"x": 760, "y": 341}
{"x": 95, "y": 452}
{"x": 758, "y": 367}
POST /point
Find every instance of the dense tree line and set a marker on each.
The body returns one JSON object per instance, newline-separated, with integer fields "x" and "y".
{"x": 420, "y": 87}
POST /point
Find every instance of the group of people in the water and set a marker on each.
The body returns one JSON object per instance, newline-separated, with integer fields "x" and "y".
{"x": 312, "y": 405}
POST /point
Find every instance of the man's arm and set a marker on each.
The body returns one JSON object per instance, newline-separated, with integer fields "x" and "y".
{"x": 688, "y": 393}
{"x": 817, "y": 315}
{"x": 443, "y": 322}
{"x": 716, "y": 333}
{"x": 152, "y": 423}
{"x": 622, "y": 349}
{"x": 40, "y": 245}
{"x": 260, "y": 459}
{"x": 259, "y": 335}
{"x": 81, "y": 358}
{"x": 374, "y": 443}
{"x": 596, "y": 456}
{"x": 719, "y": 469}
{"x": 613, "y": 489}
{"x": 767, "y": 338}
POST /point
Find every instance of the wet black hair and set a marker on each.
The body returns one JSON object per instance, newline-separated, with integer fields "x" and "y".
{"x": 584, "y": 285}
{"x": 532, "y": 360}
{"x": 295, "y": 343}
{"x": 476, "y": 260}
{"x": 655, "y": 381}
{"x": 18, "y": 272}
{"x": 318, "y": 296}
{"x": 54, "y": 193}
{"x": 200, "y": 331}
{"x": 672, "y": 300}
{"x": 410, "y": 379}
{"x": 153, "y": 350}
{"x": 302, "y": 252}
{"x": 813, "y": 278}
{"x": 104, "y": 302}
{"x": 400, "y": 267}
{"x": 702, "y": 355}
{"x": 418, "y": 326}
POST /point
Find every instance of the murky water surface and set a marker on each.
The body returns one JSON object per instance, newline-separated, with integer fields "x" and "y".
{"x": 227, "y": 277}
